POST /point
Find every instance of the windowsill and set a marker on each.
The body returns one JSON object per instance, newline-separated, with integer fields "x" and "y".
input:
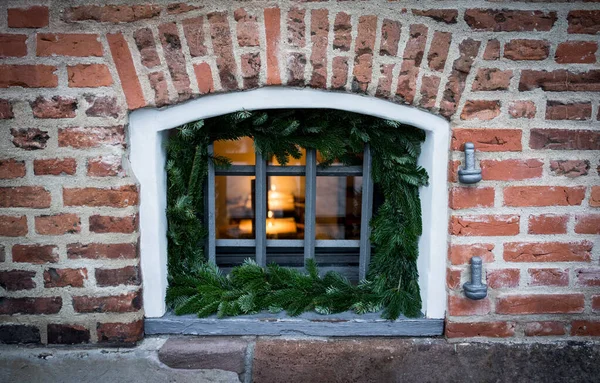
{"x": 309, "y": 324}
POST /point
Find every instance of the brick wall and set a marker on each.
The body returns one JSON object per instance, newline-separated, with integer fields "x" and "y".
{"x": 518, "y": 78}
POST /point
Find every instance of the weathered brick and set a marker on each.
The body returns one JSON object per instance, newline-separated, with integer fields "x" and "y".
{"x": 178, "y": 8}
{"x": 548, "y": 277}
{"x": 492, "y": 50}
{"x": 55, "y": 107}
{"x": 363, "y": 49}
{"x": 89, "y": 76}
{"x": 390, "y": 37}
{"x": 489, "y": 79}
{"x": 103, "y": 106}
{"x": 595, "y": 303}
{"x": 429, "y": 91}
{"x": 91, "y": 137}
{"x": 31, "y": 17}
{"x": 129, "y": 275}
{"x": 105, "y": 166}
{"x": 462, "y": 254}
{"x": 193, "y": 29}
{"x": 560, "y": 80}
{"x": 523, "y": 49}
{"x": 116, "y": 304}
{"x": 384, "y": 85}
{"x": 576, "y": 52}
{"x": 120, "y": 333}
{"x": 461, "y": 306}
{"x": 543, "y": 196}
{"x": 111, "y": 13}
{"x": 480, "y": 110}
{"x": 412, "y": 57}
{"x": 126, "y": 70}
{"x": 6, "y": 110}
{"x": 511, "y": 170}
{"x": 474, "y": 329}
{"x": 247, "y": 28}
{"x": 68, "y": 44}
{"x": 36, "y": 197}
{"x": 587, "y": 224}
{"x": 54, "y": 166}
{"x": 342, "y": 28}
{"x": 503, "y": 278}
{"x": 54, "y": 277}
{"x": 32, "y": 306}
{"x": 144, "y": 40}
{"x": 521, "y": 109}
{"x": 488, "y": 140}
{"x": 14, "y": 280}
{"x": 11, "y": 168}
{"x": 585, "y": 328}
{"x": 339, "y": 75}
{"x": 468, "y": 50}
{"x": 223, "y": 47}
{"x": 108, "y": 224}
{"x": 59, "y": 224}
{"x": 453, "y": 278}
{"x": 548, "y": 251}
{"x": 273, "y": 35}
{"x": 438, "y": 51}
{"x": 67, "y": 334}
{"x": 204, "y": 78}
{"x": 296, "y": 28}
{"x": 595, "y": 196}
{"x": 544, "y": 328}
{"x": 540, "y": 304}
{"x": 447, "y": 16}
{"x": 13, "y": 226}
{"x": 28, "y": 76}
{"x": 121, "y": 196}
{"x": 484, "y": 225}
{"x": 548, "y": 224}
{"x": 37, "y": 254}
{"x": 564, "y": 139}
{"x": 469, "y": 197}
{"x": 159, "y": 85}
{"x": 558, "y": 110}
{"x": 503, "y": 20}
{"x": 584, "y": 22}
{"x": 173, "y": 54}
{"x": 570, "y": 168}
{"x": 17, "y": 333}
{"x": 102, "y": 251}
{"x": 29, "y": 139}
{"x": 13, "y": 45}
{"x": 319, "y": 31}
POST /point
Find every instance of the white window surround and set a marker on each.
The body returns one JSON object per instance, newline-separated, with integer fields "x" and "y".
{"x": 147, "y": 134}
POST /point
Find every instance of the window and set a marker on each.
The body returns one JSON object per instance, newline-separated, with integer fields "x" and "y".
{"x": 260, "y": 209}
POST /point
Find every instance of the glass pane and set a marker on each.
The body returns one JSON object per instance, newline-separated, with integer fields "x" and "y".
{"x": 234, "y": 210}
{"x": 351, "y": 159}
{"x": 285, "y": 207}
{"x": 338, "y": 207}
{"x": 240, "y": 152}
{"x": 291, "y": 160}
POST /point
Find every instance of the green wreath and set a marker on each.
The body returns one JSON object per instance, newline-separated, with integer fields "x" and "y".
{"x": 197, "y": 286}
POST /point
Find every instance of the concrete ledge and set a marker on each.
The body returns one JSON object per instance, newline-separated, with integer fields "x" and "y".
{"x": 308, "y": 324}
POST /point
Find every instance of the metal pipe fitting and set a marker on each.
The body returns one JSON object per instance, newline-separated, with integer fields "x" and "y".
{"x": 469, "y": 174}
{"x": 475, "y": 289}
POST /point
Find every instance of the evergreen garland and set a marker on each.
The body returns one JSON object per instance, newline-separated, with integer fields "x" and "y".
{"x": 195, "y": 286}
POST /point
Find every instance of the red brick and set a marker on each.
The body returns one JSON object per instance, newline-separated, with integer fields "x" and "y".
{"x": 488, "y": 140}
{"x": 544, "y": 328}
{"x": 453, "y": 166}
{"x": 492, "y": 50}
{"x": 548, "y": 224}
{"x": 511, "y": 170}
{"x": 296, "y": 27}
{"x": 319, "y": 31}
{"x": 595, "y": 196}
{"x": 480, "y": 110}
{"x": 28, "y": 76}
{"x": 558, "y": 110}
{"x": 144, "y": 40}
{"x": 342, "y": 28}
{"x": 576, "y": 52}
{"x": 585, "y": 328}
{"x": 122, "y": 196}
{"x": 540, "y": 304}
{"x": 159, "y": 85}
{"x": 65, "y": 277}
{"x": 588, "y": 277}
{"x": 32, "y": 306}
{"x": 489, "y": 79}
{"x": 36, "y": 197}
{"x": 363, "y": 49}
{"x": 111, "y": 304}
{"x": 91, "y": 137}
{"x": 547, "y": 251}
{"x": 68, "y": 44}
{"x": 6, "y": 110}
{"x": 469, "y": 197}
{"x": 460, "y": 306}
{"x": 570, "y": 168}
{"x": 247, "y": 28}
{"x": 37, "y": 254}
{"x": 89, "y": 76}
{"x": 453, "y": 279}
{"x": 105, "y": 166}
{"x": 390, "y": 37}
{"x": 126, "y": 70}
{"x": 447, "y": 16}
{"x": 587, "y": 224}
{"x": 567, "y": 139}
{"x": 584, "y": 22}
{"x": 485, "y": 329}
{"x": 438, "y": 51}
{"x": 548, "y": 277}
{"x": 522, "y": 109}
{"x": 339, "y": 76}
{"x": 596, "y": 303}
{"x": 111, "y": 13}
{"x": 102, "y": 251}
{"x": 103, "y": 106}
{"x": 54, "y": 166}
{"x": 129, "y": 275}
{"x": 120, "y": 333}
{"x": 429, "y": 91}
{"x": 204, "y": 78}
{"x": 107, "y": 224}
{"x": 468, "y": 50}
{"x": 223, "y": 47}
{"x": 178, "y": 8}
{"x": 11, "y": 226}
{"x": 384, "y": 85}
{"x": 560, "y": 80}
{"x": 273, "y": 35}
{"x": 543, "y": 195}
{"x": 522, "y": 49}
{"x": 14, "y": 280}
{"x": 502, "y": 20}
{"x": 13, "y": 45}
{"x": 412, "y": 57}
{"x": 484, "y": 225}
{"x": 32, "y": 17}
{"x": 67, "y": 334}
{"x": 55, "y": 107}
{"x": 462, "y": 254}
{"x": 58, "y": 224}
{"x": 11, "y": 168}
{"x": 29, "y": 139}
{"x": 503, "y": 278}
{"x": 173, "y": 54}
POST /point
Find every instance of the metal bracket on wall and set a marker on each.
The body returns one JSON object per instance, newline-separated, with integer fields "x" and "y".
{"x": 475, "y": 289}
{"x": 469, "y": 174}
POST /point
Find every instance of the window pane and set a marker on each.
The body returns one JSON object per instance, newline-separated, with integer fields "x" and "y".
{"x": 234, "y": 210}
{"x": 291, "y": 160}
{"x": 338, "y": 207}
{"x": 285, "y": 207}
{"x": 350, "y": 159}
{"x": 240, "y": 152}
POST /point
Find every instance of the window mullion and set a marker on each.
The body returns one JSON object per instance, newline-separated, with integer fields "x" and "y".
{"x": 366, "y": 213}
{"x": 212, "y": 235}
{"x": 260, "y": 210}
{"x": 310, "y": 204}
